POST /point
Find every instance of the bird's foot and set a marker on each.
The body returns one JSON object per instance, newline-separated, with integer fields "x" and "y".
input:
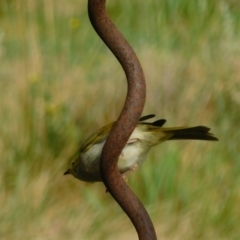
{"x": 133, "y": 168}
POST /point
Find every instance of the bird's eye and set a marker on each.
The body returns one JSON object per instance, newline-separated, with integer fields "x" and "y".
{"x": 73, "y": 164}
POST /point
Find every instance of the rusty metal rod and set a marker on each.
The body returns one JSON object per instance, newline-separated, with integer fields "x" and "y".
{"x": 127, "y": 120}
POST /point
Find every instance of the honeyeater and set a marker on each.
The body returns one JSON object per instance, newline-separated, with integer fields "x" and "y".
{"x": 86, "y": 165}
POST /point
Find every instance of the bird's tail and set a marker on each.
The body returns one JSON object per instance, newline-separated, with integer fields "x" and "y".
{"x": 194, "y": 133}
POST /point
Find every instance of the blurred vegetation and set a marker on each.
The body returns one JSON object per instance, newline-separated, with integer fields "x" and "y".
{"x": 59, "y": 83}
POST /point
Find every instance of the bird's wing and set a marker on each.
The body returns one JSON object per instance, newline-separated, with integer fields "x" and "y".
{"x": 143, "y": 118}
{"x": 101, "y": 134}
{"x": 97, "y": 137}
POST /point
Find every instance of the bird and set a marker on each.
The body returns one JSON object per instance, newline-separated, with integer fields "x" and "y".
{"x": 86, "y": 165}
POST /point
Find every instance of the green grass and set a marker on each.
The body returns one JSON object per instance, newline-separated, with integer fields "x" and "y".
{"x": 59, "y": 83}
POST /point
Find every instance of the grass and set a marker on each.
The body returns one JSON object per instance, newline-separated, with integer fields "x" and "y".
{"x": 59, "y": 83}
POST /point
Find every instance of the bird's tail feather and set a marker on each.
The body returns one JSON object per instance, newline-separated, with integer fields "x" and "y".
{"x": 194, "y": 133}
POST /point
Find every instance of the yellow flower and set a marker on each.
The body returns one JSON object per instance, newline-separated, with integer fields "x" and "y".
{"x": 74, "y": 23}
{"x": 51, "y": 108}
{"x": 32, "y": 79}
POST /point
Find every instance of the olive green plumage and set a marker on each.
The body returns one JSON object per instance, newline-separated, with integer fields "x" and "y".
{"x": 146, "y": 135}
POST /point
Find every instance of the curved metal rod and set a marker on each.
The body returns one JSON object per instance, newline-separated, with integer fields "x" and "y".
{"x": 127, "y": 120}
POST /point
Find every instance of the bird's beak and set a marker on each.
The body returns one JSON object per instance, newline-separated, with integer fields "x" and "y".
{"x": 67, "y": 172}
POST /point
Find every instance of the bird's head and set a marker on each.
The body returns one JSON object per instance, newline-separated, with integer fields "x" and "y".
{"x": 72, "y": 170}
